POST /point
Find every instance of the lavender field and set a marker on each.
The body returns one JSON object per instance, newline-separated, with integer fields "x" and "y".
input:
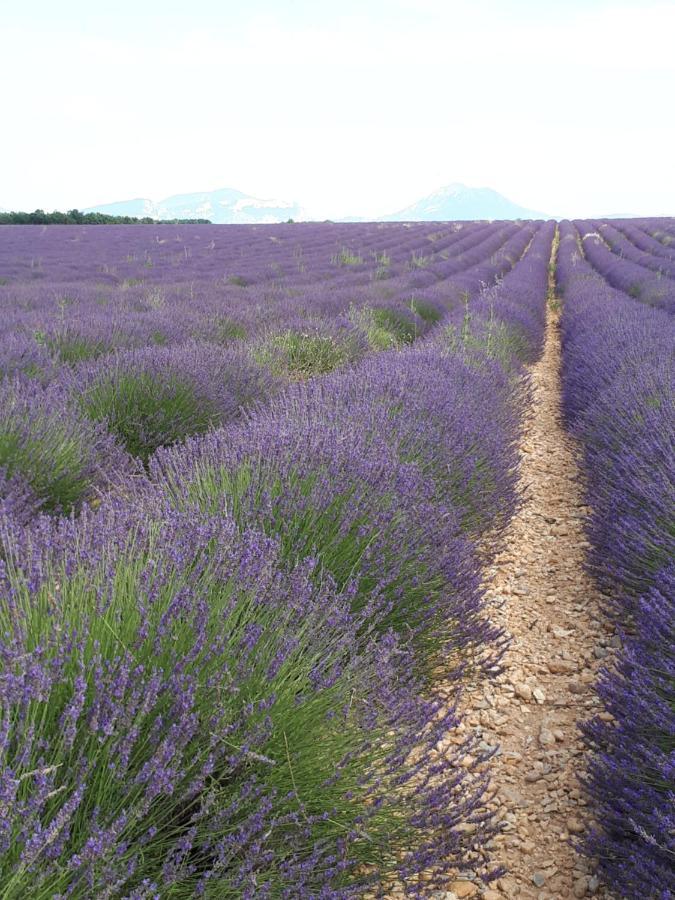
{"x": 252, "y": 479}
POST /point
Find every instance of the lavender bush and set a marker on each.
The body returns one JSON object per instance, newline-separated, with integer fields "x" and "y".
{"x": 182, "y": 716}
{"x": 51, "y": 456}
{"x": 216, "y": 683}
{"x": 634, "y": 279}
{"x": 622, "y": 239}
{"x": 21, "y": 354}
{"x": 157, "y": 396}
{"x": 618, "y": 380}
{"x": 333, "y": 488}
{"x": 311, "y": 348}
{"x": 505, "y": 322}
{"x": 631, "y": 773}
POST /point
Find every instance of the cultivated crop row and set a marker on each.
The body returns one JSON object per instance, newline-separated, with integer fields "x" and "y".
{"x": 642, "y": 276}
{"x": 218, "y": 669}
{"x": 157, "y": 366}
{"x": 620, "y": 244}
{"x": 618, "y": 381}
{"x": 49, "y": 321}
{"x": 643, "y": 239}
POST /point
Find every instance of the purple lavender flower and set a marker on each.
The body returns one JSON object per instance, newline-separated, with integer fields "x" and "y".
{"x": 51, "y": 456}
{"x": 618, "y": 380}
{"x": 157, "y": 396}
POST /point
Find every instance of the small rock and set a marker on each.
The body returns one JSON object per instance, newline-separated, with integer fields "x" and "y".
{"x": 539, "y": 879}
{"x": 463, "y": 889}
{"x": 492, "y": 895}
{"x": 580, "y": 887}
{"x": 546, "y": 737}
{"x": 574, "y": 826}
{"x": 560, "y": 632}
{"x": 508, "y": 886}
{"x": 524, "y": 691}
{"x": 593, "y": 883}
{"x": 562, "y": 667}
{"x": 539, "y": 695}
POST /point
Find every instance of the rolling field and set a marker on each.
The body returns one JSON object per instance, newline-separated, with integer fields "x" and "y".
{"x": 337, "y": 560}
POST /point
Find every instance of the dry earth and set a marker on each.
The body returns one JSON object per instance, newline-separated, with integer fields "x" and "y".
{"x": 551, "y": 609}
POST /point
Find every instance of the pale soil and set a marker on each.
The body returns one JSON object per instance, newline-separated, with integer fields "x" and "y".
{"x": 559, "y": 637}
{"x": 541, "y": 594}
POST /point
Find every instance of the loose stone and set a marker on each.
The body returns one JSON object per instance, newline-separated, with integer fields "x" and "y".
{"x": 575, "y": 826}
{"x": 463, "y": 889}
{"x": 580, "y": 887}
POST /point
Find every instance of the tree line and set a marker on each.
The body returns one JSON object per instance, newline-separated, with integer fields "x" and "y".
{"x": 75, "y": 217}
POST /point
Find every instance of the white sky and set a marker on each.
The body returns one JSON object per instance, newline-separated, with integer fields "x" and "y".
{"x": 347, "y": 107}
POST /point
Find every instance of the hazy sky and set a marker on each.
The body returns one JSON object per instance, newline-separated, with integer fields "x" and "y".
{"x": 347, "y": 107}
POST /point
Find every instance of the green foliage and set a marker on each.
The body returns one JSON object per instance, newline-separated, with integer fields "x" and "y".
{"x": 425, "y": 311}
{"x": 382, "y": 270}
{"x": 311, "y": 734}
{"x": 146, "y": 412}
{"x": 418, "y": 261}
{"x": 301, "y": 355}
{"x": 385, "y": 328}
{"x": 237, "y": 280}
{"x": 332, "y": 534}
{"x": 346, "y": 257}
{"x": 71, "y": 348}
{"x": 226, "y": 330}
{"x": 50, "y": 458}
{"x": 75, "y": 217}
{"x": 491, "y": 338}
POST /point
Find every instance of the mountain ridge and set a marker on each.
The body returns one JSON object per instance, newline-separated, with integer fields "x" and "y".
{"x": 452, "y": 202}
{"x": 456, "y": 201}
{"x": 224, "y": 206}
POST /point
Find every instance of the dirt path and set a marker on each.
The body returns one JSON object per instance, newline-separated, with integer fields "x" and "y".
{"x": 559, "y": 639}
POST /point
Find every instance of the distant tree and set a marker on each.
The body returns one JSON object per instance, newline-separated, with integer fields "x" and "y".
{"x": 75, "y": 217}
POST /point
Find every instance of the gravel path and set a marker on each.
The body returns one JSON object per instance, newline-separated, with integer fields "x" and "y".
{"x": 559, "y": 639}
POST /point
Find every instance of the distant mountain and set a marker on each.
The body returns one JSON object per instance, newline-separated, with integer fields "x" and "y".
{"x": 227, "y": 206}
{"x": 137, "y": 208}
{"x": 459, "y": 202}
{"x": 223, "y": 207}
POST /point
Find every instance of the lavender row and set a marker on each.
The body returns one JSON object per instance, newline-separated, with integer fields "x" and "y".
{"x": 217, "y": 681}
{"x": 52, "y": 324}
{"x": 157, "y": 395}
{"x": 640, "y": 235}
{"x": 620, "y": 244}
{"x": 618, "y": 380}
{"x": 633, "y": 279}
{"x": 662, "y": 230}
{"x": 72, "y": 254}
